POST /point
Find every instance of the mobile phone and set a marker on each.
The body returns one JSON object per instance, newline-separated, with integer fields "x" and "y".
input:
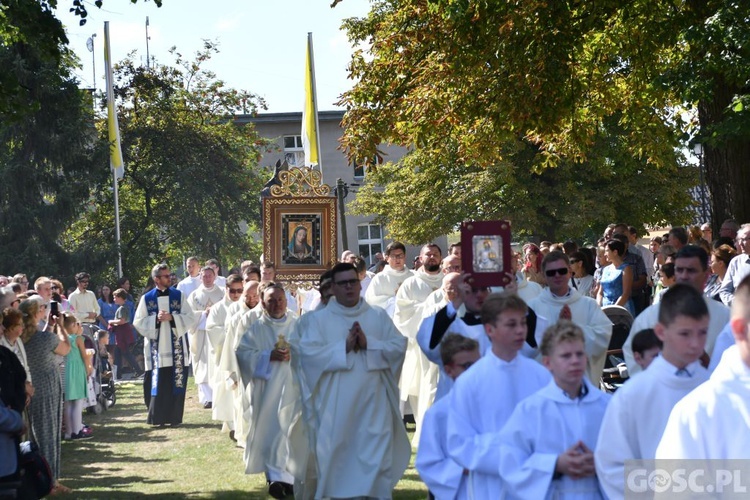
{"x": 54, "y": 308}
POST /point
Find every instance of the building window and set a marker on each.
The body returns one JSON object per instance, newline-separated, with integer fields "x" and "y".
{"x": 294, "y": 154}
{"x": 370, "y": 241}
{"x": 359, "y": 171}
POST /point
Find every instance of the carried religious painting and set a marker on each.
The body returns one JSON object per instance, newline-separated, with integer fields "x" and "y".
{"x": 299, "y": 225}
{"x": 301, "y": 235}
{"x": 486, "y": 252}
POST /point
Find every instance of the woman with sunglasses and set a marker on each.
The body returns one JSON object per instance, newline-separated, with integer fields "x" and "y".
{"x": 581, "y": 273}
{"x": 617, "y": 278}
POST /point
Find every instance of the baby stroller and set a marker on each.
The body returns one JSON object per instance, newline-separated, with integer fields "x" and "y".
{"x": 102, "y": 391}
{"x": 615, "y": 373}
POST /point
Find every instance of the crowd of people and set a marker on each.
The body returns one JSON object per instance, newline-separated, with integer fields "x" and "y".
{"x": 503, "y": 383}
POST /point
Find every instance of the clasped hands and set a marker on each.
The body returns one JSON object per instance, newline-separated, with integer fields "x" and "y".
{"x": 576, "y": 462}
{"x": 356, "y": 339}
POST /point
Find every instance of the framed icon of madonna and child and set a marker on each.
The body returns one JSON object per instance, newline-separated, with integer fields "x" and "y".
{"x": 486, "y": 252}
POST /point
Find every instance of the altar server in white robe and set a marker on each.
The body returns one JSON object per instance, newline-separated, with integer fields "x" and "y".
{"x": 201, "y": 301}
{"x": 547, "y": 444}
{"x": 163, "y": 317}
{"x": 263, "y": 355}
{"x": 192, "y": 281}
{"x": 216, "y": 325}
{"x": 228, "y": 365}
{"x": 349, "y": 357}
{"x": 418, "y": 375}
{"x": 559, "y": 301}
{"x": 443, "y": 476}
{"x": 484, "y": 397}
{"x": 691, "y": 267}
{"x": 385, "y": 284}
{"x": 638, "y": 412}
{"x": 713, "y": 421}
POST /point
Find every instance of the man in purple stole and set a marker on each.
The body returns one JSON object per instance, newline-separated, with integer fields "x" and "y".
{"x": 163, "y": 318}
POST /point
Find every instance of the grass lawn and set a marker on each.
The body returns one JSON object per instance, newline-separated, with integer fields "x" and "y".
{"x": 128, "y": 459}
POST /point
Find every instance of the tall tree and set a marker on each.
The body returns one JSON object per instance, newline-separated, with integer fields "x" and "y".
{"x": 191, "y": 182}
{"x": 461, "y": 79}
{"x": 49, "y": 161}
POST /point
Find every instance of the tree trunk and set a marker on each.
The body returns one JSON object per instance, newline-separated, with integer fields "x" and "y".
{"x": 726, "y": 160}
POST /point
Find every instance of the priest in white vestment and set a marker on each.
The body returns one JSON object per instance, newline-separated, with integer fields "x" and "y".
{"x": 349, "y": 356}
{"x": 216, "y": 325}
{"x": 163, "y": 317}
{"x": 230, "y": 370}
{"x": 713, "y": 421}
{"x": 201, "y": 301}
{"x": 638, "y": 413}
{"x": 559, "y": 301}
{"x": 691, "y": 267}
{"x": 418, "y": 376}
{"x": 484, "y": 397}
{"x": 385, "y": 284}
{"x": 263, "y": 356}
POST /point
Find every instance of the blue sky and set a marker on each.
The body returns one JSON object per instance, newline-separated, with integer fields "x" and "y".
{"x": 262, "y": 42}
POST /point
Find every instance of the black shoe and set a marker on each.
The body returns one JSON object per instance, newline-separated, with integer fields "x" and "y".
{"x": 208, "y": 405}
{"x": 277, "y": 489}
{"x": 80, "y": 436}
{"x": 231, "y": 436}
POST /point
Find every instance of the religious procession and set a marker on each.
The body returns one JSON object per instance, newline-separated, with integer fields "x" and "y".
{"x": 509, "y": 257}
{"x": 521, "y": 391}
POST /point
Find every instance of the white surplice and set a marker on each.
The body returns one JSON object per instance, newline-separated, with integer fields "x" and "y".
{"x": 358, "y": 444}
{"x": 230, "y": 371}
{"x": 713, "y": 421}
{"x": 482, "y": 400}
{"x": 216, "y": 324}
{"x": 200, "y": 348}
{"x": 718, "y": 318}
{"x": 273, "y": 397}
{"x": 188, "y": 285}
{"x": 383, "y": 287}
{"x": 418, "y": 376}
{"x": 586, "y": 313}
{"x": 542, "y": 427}
{"x": 636, "y": 417}
{"x": 442, "y": 475}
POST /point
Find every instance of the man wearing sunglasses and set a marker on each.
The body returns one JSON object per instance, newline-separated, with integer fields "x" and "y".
{"x": 559, "y": 301}
{"x": 163, "y": 318}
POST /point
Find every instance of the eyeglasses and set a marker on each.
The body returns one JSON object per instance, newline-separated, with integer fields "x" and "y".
{"x": 574, "y": 261}
{"x": 347, "y": 283}
{"x": 163, "y": 276}
{"x": 53, "y": 287}
{"x": 551, "y": 272}
{"x": 397, "y": 256}
{"x": 235, "y": 290}
{"x": 466, "y": 365}
{"x": 83, "y": 281}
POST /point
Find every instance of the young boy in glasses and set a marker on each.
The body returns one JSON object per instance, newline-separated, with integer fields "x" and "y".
{"x": 559, "y": 301}
{"x": 484, "y": 397}
{"x": 443, "y": 476}
{"x": 546, "y": 446}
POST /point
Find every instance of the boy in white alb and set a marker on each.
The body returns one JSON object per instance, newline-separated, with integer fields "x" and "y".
{"x": 444, "y": 476}
{"x": 638, "y": 412}
{"x": 713, "y": 421}
{"x": 546, "y": 445}
{"x": 483, "y": 399}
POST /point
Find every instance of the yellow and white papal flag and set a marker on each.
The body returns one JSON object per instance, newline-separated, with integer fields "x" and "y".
{"x": 115, "y": 149}
{"x": 310, "y": 140}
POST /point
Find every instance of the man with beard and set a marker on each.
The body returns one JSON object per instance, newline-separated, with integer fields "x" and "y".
{"x": 417, "y": 383}
{"x": 201, "y": 301}
{"x": 163, "y": 318}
